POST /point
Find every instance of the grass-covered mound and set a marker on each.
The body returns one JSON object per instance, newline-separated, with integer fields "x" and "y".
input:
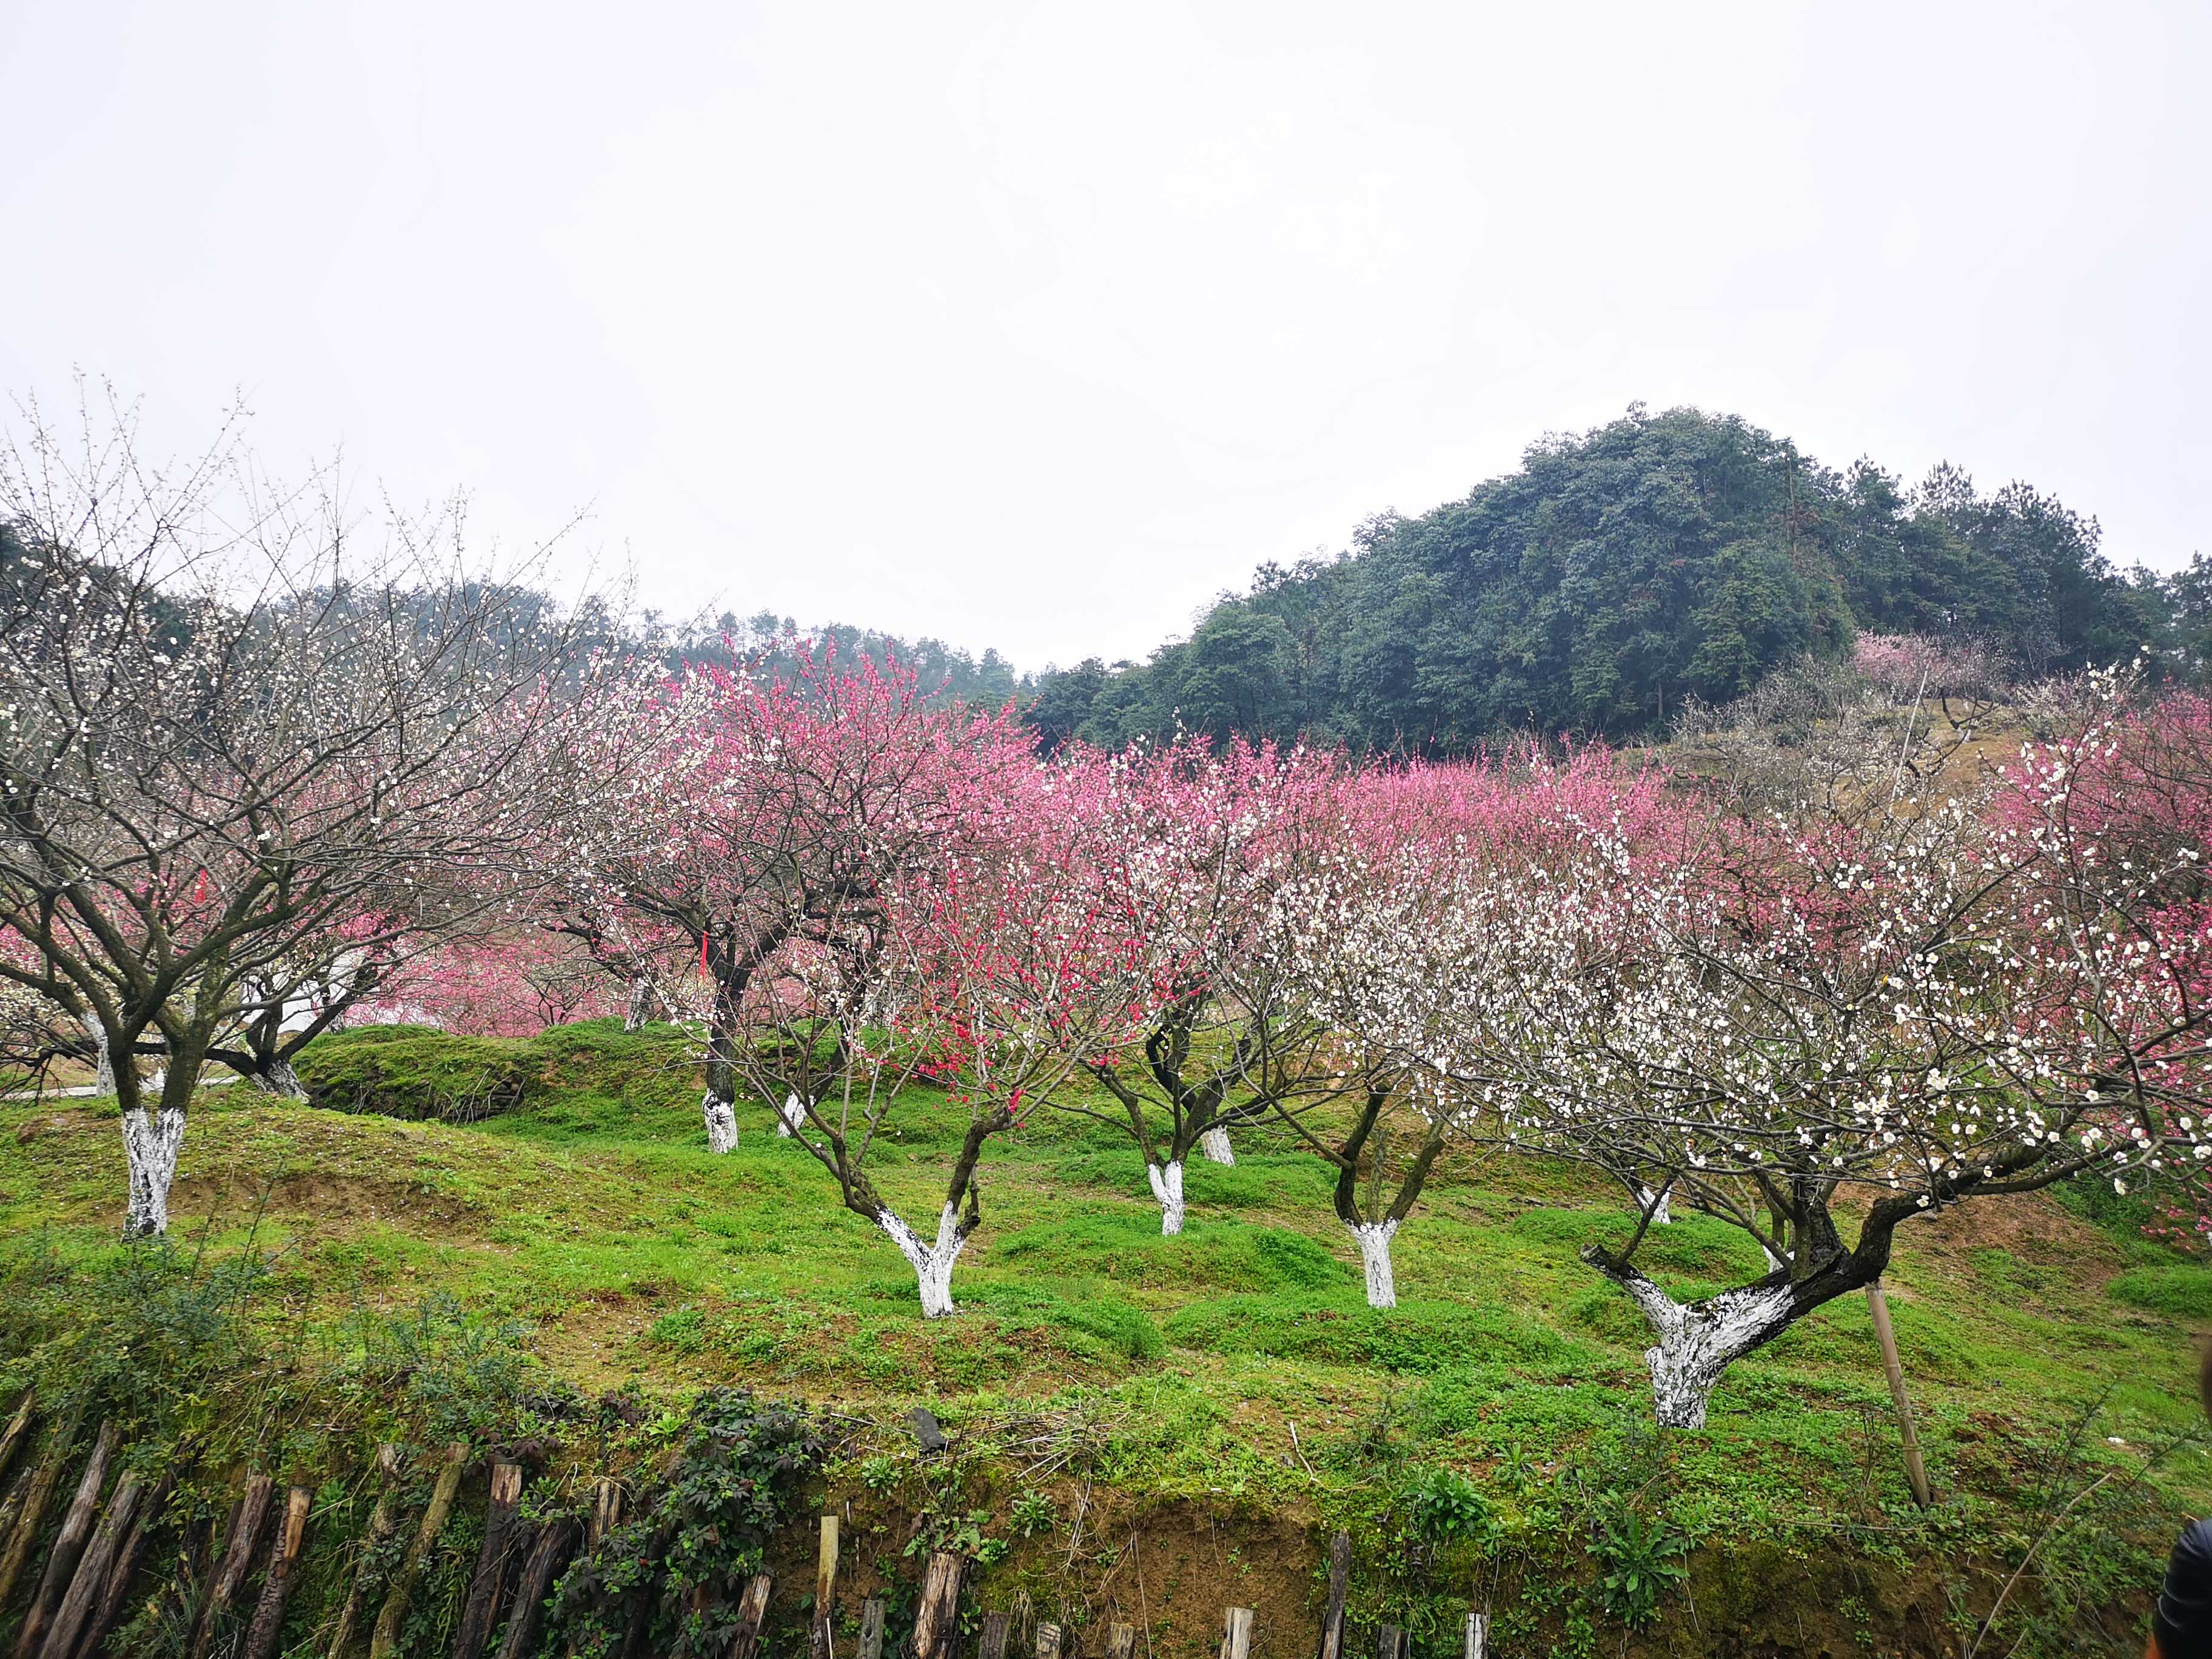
{"x": 1210, "y": 1404}
{"x": 580, "y": 1073}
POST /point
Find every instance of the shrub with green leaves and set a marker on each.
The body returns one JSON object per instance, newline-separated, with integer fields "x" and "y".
{"x": 1447, "y": 1508}
{"x": 671, "y": 1577}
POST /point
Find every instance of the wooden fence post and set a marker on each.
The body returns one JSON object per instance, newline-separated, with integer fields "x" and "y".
{"x": 69, "y": 1545}
{"x": 19, "y": 1429}
{"x": 606, "y": 1510}
{"x": 237, "y": 1558}
{"x": 91, "y": 1577}
{"x": 1121, "y": 1642}
{"x": 383, "y": 1643}
{"x": 556, "y": 1543}
{"x": 871, "y": 1628}
{"x": 36, "y": 1496}
{"x": 481, "y": 1608}
{"x": 1047, "y": 1641}
{"x": 1478, "y": 1628}
{"x": 991, "y": 1641}
{"x": 1340, "y": 1582}
{"x": 1236, "y": 1634}
{"x": 752, "y": 1614}
{"x": 820, "y": 1635}
{"x": 1391, "y": 1642}
{"x": 383, "y": 1521}
{"x": 284, "y": 1568}
{"x": 934, "y": 1619}
{"x": 128, "y": 1557}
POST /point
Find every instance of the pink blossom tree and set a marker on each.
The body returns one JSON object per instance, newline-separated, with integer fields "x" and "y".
{"x": 750, "y": 818}
{"x": 985, "y": 978}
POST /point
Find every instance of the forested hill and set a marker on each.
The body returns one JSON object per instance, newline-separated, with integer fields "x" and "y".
{"x": 1617, "y": 572}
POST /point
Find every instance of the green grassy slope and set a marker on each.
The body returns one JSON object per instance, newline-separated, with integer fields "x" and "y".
{"x": 1236, "y": 1368}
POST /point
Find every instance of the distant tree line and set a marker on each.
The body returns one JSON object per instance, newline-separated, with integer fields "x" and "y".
{"x": 1619, "y": 573}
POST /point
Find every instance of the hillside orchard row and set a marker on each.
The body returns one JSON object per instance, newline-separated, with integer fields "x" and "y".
{"x": 251, "y": 794}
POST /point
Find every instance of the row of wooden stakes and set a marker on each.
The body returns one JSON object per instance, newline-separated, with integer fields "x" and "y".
{"x": 83, "y": 1585}
{"x": 935, "y": 1624}
{"x": 85, "y": 1581}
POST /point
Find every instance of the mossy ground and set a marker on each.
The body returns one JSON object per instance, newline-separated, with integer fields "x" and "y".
{"x": 1234, "y": 1372}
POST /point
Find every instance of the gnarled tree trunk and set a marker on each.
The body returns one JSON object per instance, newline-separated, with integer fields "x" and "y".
{"x": 1167, "y": 1187}
{"x": 1373, "y": 1238}
{"x": 151, "y": 1141}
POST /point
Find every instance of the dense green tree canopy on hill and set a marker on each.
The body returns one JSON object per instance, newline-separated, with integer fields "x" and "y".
{"x": 1616, "y": 573}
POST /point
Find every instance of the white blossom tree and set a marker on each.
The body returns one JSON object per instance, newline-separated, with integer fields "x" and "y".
{"x": 1897, "y": 994}
{"x": 234, "y": 742}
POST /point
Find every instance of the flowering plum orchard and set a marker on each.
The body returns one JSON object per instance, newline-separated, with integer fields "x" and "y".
{"x": 239, "y": 752}
{"x": 1896, "y": 996}
{"x": 253, "y": 784}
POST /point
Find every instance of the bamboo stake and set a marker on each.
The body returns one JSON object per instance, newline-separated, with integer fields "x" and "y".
{"x": 818, "y": 1643}
{"x": 237, "y": 1558}
{"x": 1236, "y": 1636}
{"x": 481, "y": 1609}
{"x": 557, "y": 1541}
{"x": 36, "y": 1496}
{"x": 1478, "y": 1628}
{"x": 384, "y": 1642}
{"x": 284, "y": 1568}
{"x": 383, "y": 1521}
{"x": 1915, "y": 1472}
{"x": 1340, "y": 1582}
{"x": 1047, "y": 1642}
{"x": 752, "y": 1614}
{"x": 92, "y": 1569}
{"x": 69, "y": 1545}
{"x": 871, "y": 1628}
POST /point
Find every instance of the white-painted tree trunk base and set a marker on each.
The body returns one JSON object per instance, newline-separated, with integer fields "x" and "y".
{"x": 103, "y": 1067}
{"x": 789, "y": 1116}
{"x": 1214, "y": 1143}
{"x": 639, "y": 1006}
{"x": 1699, "y": 1341}
{"x": 151, "y": 1141}
{"x": 1167, "y": 1187}
{"x": 932, "y": 1263}
{"x": 1664, "y": 1216}
{"x": 281, "y": 1080}
{"x": 721, "y": 1123}
{"x": 1373, "y": 1238}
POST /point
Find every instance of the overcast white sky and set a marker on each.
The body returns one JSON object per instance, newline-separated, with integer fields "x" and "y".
{"x": 1034, "y": 326}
